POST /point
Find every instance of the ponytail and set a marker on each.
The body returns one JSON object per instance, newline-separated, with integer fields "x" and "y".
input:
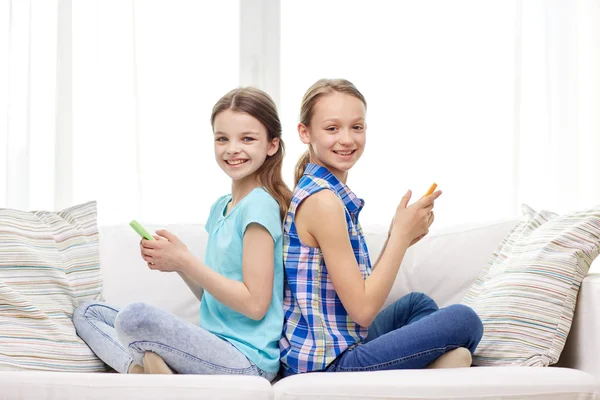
{"x": 301, "y": 166}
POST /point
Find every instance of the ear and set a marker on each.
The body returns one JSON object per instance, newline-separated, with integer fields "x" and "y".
{"x": 303, "y": 133}
{"x": 273, "y": 147}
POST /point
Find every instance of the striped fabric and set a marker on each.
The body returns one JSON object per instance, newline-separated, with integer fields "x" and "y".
{"x": 49, "y": 263}
{"x": 317, "y": 327}
{"x": 526, "y": 293}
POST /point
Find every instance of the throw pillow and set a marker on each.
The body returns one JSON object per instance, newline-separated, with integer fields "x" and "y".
{"x": 49, "y": 263}
{"x": 526, "y": 294}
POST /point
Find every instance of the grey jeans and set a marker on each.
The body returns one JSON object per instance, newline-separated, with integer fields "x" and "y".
{"x": 122, "y": 337}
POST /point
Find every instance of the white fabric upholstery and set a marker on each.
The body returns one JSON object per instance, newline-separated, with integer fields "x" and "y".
{"x": 582, "y": 350}
{"x": 128, "y": 279}
{"x": 102, "y": 386}
{"x": 444, "y": 264}
{"x": 462, "y": 383}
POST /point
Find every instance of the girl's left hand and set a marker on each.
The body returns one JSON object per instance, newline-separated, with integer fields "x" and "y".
{"x": 418, "y": 238}
{"x": 167, "y": 253}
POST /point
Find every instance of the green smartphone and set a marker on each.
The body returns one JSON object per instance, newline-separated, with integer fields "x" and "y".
{"x": 141, "y": 230}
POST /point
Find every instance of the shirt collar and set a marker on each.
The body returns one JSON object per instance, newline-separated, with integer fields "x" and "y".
{"x": 351, "y": 201}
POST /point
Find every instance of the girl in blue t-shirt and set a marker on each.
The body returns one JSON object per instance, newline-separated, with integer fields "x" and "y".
{"x": 240, "y": 281}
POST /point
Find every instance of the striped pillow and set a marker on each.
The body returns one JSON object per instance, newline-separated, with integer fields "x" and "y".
{"x": 526, "y": 293}
{"x": 49, "y": 263}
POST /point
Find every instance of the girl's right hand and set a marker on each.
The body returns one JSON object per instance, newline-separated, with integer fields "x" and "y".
{"x": 411, "y": 223}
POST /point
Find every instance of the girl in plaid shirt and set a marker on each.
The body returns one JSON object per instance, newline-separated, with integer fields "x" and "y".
{"x": 332, "y": 295}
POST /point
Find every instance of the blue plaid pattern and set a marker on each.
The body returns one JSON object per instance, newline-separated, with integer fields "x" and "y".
{"x": 317, "y": 327}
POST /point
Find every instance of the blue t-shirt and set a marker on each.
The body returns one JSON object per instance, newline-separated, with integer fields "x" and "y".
{"x": 257, "y": 340}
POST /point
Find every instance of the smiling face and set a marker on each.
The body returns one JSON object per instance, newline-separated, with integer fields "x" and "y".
{"x": 241, "y": 144}
{"x": 337, "y": 132}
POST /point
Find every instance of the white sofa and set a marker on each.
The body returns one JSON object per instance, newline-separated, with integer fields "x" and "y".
{"x": 443, "y": 265}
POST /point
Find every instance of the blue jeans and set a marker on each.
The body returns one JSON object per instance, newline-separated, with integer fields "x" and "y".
{"x": 410, "y": 334}
{"x": 122, "y": 337}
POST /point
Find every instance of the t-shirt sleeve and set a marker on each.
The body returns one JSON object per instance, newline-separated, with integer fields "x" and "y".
{"x": 262, "y": 209}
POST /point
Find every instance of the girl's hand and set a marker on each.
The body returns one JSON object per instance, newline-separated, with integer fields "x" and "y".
{"x": 411, "y": 223}
{"x": 167, "y": 253}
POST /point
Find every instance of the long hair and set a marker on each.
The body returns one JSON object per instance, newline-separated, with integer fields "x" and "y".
{"x": 258, "y": 104}
{"x": 307, "y": 110}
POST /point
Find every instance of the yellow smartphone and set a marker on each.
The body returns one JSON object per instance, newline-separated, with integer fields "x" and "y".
{"x": 431, "y": 190}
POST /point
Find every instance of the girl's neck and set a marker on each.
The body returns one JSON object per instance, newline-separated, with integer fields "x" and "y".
{"x": 241, "y": 188}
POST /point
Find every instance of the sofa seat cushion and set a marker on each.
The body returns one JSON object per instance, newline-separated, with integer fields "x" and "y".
{"x": 101, "y": 386}
{"x": 461, "y": 383}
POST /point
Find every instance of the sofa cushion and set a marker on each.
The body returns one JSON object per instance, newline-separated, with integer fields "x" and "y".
{"x": 445, "y": 263}
{"x": 496, "y": 383}
{"x": 526, "y": 294}
{"x": 72, "y": 386}
{"x": 122, "y": 264}
{"x": 48, "y": 265}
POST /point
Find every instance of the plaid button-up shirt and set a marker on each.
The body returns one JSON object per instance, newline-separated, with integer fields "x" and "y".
{"x": 317, "y": 327}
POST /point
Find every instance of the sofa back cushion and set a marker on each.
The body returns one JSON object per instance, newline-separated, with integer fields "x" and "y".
{"x": 48, "y": 265}
{"x": 128, "y": 279}
{"x": 446, "y": 262}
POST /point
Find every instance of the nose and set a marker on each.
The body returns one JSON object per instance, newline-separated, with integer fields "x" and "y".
{"x": 232, "y": 147}
{"x": 346, "y": 137}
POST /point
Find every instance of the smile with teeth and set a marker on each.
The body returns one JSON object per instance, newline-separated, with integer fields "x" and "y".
{"x": 344, "y": 153}
{"x": 235, "y": 162}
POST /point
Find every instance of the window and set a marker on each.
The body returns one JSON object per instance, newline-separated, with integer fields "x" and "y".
{"x": 438, "y": 79}
{"x": 145, "y": 77}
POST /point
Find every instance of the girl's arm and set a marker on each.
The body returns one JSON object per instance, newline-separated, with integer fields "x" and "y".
{"x": 322, "y": 217}
{"x": 194, "y": 287}
{"x": 250, "y": 297}
{"x": 387, "y": 239}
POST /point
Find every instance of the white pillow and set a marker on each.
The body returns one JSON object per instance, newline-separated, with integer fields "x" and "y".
{"x": 526, "y": 294}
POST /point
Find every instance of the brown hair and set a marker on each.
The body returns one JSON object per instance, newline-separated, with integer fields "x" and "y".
{"x": 258, "y": 104}
{"x": 307, "y": 110}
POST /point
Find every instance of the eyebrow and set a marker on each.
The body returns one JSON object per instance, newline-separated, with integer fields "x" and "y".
{"x": 245, "y": 133}
{"x": 335, "y": 119}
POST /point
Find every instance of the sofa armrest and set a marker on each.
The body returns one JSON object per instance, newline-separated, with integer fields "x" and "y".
{"x": 582, "y": 350}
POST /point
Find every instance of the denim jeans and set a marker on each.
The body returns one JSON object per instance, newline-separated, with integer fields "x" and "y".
{"x": 122, "y": 337}
{"x": 410, "y": 334}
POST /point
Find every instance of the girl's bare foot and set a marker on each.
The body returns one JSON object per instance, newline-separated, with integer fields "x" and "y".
{"x": 457, "y": 358}
{"x": 135, "y": 368}
{"x": 154, "y": 364}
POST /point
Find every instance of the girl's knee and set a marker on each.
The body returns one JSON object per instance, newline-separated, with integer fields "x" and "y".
{"x": 422, "y": 300}
{"x": 133, "y": 318}
{"x": 468, "y": 320}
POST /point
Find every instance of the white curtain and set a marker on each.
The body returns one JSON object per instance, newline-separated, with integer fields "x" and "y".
{"x": 111, "y": 101}
{"x": 145, "y": 77}
{"x": 557, "y": 106}
{"x": 496, "y": 101}
{"x": 28, "y": 93}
